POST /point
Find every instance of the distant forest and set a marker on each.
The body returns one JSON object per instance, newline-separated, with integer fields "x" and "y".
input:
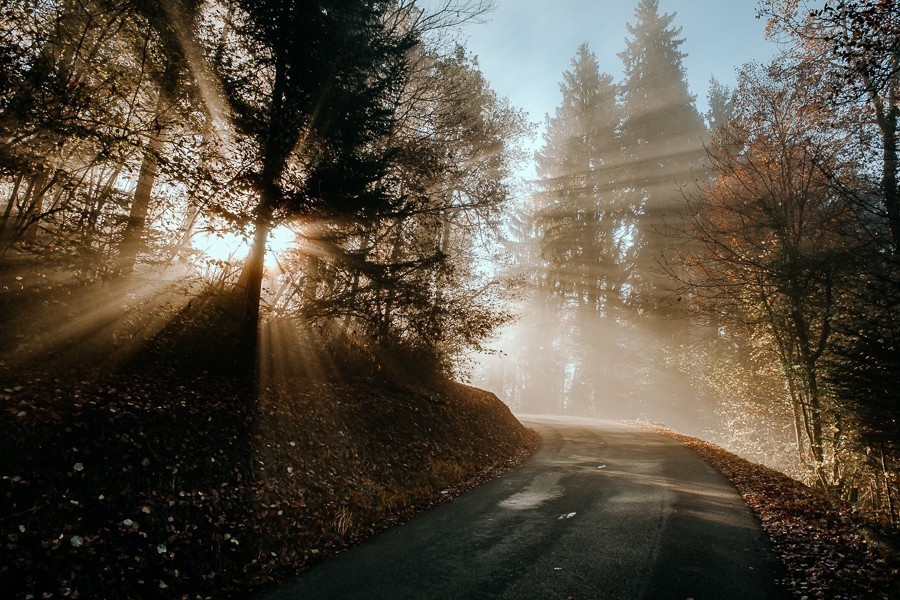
{"x": 253, "y": 184}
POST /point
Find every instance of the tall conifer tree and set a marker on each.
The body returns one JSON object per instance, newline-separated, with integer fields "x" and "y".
{"x": 314, "y": 100}
{"x": 662, "y": 131}
{"x": 580, "y": 216}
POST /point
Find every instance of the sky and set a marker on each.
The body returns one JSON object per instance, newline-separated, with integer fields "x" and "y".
{"x": 525, "y": 45}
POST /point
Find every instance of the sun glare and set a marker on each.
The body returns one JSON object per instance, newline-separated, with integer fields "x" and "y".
{"x": 231, "y": 247}
{"x": 281, "y": 239}
{"x": 222, "y": 246}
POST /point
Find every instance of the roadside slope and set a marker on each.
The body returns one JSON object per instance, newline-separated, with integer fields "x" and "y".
{"x": 159, "y": 485}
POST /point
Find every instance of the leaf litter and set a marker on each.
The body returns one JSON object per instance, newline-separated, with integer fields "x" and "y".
{"x": 827, "y": 552}
{"x": 162, "y": 485}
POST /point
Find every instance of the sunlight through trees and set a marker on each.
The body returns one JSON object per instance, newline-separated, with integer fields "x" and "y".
{"x": 738, "y": 276}
{"x": 322, "y": 161}
{"x": 277, "y": 189}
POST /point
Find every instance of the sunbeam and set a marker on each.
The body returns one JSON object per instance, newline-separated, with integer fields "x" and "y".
{"x": 276, "y": 275}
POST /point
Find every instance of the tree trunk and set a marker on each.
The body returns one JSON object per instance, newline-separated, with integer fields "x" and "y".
{"x": 9, "y": 206}
{"x": 88, "y": 222}
{"x": 798, "y": 430}
{"x": 250, "y": 282}
{"x": 192, "y": 212}
{"x": 23, "y": 221}
{"x": 888, "y": 492}
{"x": 132, "y": 238}
{"x": 187, "y": 232}
{"x": 445, "y": 235}
{"x": 354, "y": 287}
{"x": 34, "y": 206}
{"x": 889, "y": 175}
{"x": 813, "y": 404}
{"x": 384, "y": 326}
{"x": 312, "y": 279}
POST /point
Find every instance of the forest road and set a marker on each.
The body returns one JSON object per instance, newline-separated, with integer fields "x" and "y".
{"x": 601, "y": 510}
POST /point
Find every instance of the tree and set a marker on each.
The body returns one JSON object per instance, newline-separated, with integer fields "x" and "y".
{"x": 310, "y": 86}
{"x": 405, "y": 277}
{"x": 65, "y": 148}
{"x": 775, "y": 250}
{"x": 168, "y": 72}
{"x": 663, "y": 134}
{"x": 721, "y": 106}
{"x": 853, "y": 49}
{"x": 855, "y": 46}
{"x": 582, "y": 220}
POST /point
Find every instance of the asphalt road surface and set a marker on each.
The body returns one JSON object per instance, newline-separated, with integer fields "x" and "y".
{"x": 602, "y": 510}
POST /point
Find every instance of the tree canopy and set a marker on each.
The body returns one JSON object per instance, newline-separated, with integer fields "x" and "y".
{"x": 382, "y": 155}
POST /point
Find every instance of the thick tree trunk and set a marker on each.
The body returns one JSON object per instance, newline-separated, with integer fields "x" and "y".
{"x": 813, "y": 404}
{"x": 817, "y": 439}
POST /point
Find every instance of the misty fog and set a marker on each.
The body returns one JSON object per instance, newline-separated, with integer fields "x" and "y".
{"x": 558, "y": 358}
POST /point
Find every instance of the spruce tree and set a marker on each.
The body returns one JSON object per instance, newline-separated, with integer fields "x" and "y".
{"x": 662, "y": 131}
{"x": 721, "y": 107}
{"x": 580, "y": 216}
{"x": 312, "y": 92}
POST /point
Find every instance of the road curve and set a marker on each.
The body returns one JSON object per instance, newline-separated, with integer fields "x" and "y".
{"x": 602, "y": 510}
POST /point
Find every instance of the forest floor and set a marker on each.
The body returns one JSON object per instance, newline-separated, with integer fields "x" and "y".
{"x": 140, "y": 461}
{"x": 827, "y": 552}
{"x": 152, "y": 484}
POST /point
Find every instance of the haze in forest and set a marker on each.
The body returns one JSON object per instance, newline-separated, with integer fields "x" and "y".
{"x": 559, "y": 357}
{"x": 605, "y": 368}
{"x": 693, "y": 255}
{"x": 334, "y": 190}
